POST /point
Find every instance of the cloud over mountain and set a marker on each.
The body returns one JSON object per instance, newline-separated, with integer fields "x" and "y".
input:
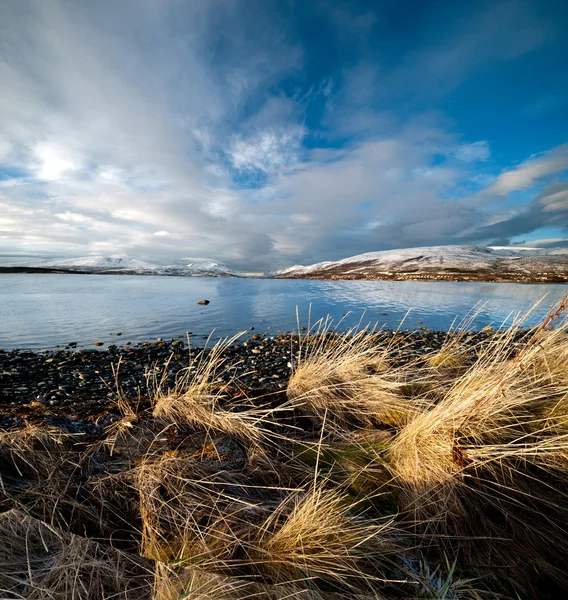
{"x": 268, "y": 133}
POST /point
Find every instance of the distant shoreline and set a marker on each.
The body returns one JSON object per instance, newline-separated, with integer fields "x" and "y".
{"x": 440, "y": 263}
{"x": 52, "y": 270}
{"x": 437, "y": 277}
{"x": 434, "y": 277}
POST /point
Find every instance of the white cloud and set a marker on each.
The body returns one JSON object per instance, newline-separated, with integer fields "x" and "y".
{"x": 110, "y": 174}
{"x": 478, "y": 151}
{"x": 528, "y": 173}
{"x": 74, "y": 218}
{"x": 54, "y": 162}
{"x": 132, "y": 122}
{"x": 555, "y": 202}
{"x": 5, "y": 149}
{"x": 550, "y": 242}
{"x": 268, "y": 150}
{"x": 301, "y": 219}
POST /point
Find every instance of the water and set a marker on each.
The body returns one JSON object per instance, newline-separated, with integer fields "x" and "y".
{"x": 43, "y": 311}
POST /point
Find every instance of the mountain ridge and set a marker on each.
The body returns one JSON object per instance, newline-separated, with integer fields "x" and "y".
{"x": 118, "y": 265}
{"x": 441, "y": 263}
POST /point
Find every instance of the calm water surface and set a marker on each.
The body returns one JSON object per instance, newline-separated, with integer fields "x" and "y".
{"x": 43, "y": 311}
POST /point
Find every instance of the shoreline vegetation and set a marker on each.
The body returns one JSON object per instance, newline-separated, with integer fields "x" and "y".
{"x": 454, "y": 276}
{"x": 366, "y": 465}
{"x": 79, "y": 271}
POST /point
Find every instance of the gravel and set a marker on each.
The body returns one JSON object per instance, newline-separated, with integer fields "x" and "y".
{"x": 59, "y": 383}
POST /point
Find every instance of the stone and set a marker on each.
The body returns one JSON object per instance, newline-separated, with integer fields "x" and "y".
{"x": 224, "y": 452}
{"x": 203, "y": 302}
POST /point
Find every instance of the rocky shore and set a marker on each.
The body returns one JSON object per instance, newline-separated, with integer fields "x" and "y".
{"x": 77, "y": 389}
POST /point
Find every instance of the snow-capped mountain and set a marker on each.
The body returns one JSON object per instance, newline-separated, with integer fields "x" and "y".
{"x": 93, "y": 263}
{"x": 122, "y": 265}
{"x": 441, "y": 262}
{"x": 208, "y": 267}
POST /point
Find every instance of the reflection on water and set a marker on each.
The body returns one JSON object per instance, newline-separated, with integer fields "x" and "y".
{"x": 41, "y": 311}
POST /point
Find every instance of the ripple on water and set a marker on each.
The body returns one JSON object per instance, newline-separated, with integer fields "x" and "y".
{"x": 45, "y": 310}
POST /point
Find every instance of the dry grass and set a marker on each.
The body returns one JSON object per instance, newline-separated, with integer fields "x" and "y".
{"x": 197, "y": 398}
{"x": 397, "y": 467}
{"x": 39, "y": 473}
{"x": 172, "y": 583}
{"x": 315, "y": 534}
{"x": 446, "y": 361}
{"x": 196, "y": 514}
{"x": 347, "y": 378}
{"x": 38, "y": 562}
{"x": 489, "y": 460}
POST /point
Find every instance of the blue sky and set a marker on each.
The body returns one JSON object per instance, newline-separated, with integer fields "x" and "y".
{"x": 267, "y": 133}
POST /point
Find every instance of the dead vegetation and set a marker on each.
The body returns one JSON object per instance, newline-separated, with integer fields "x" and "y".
{"x": 373, "y": 477}
{"x": 348, "y": 378}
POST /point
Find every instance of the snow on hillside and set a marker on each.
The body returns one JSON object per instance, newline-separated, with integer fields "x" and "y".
{"x": 448, "y": 256}
{"x": 103, "y": 264}
{"x": 298, "y": 269}
{"x": 95, "y": 263}
{"x": 435, "y": 259}
{"x": 198, "y": 266}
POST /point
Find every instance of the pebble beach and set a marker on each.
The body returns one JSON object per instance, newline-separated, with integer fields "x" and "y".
{"x": 75, "y": 389}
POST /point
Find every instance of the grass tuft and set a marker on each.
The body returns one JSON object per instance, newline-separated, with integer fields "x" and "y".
{"x": 347, "y": 377}
{"x": 38, "y": 562}
{"x": 317, "y": 534}
{"x": 197, "y": 399}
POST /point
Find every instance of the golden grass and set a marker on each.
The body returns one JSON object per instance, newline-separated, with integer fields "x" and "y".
{"x": 445, "y": 360}
{"x": 38, "y": 562}
{"x": 444, "y": 477}
{"x": 193, "y": 513}
{"x": 197, "y": 398}
{"x": 316, "y": 534}
{"x": 171, "y": 583}
{"x": 489, "y": 460}
{"x": 347, "y": 378}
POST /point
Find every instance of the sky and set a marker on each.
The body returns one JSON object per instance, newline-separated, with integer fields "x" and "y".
{"x": 265, "y": 133}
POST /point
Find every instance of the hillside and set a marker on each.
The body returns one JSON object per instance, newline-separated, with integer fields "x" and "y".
{"x": 447, "y": 263}
{"x": 123, "y": 266}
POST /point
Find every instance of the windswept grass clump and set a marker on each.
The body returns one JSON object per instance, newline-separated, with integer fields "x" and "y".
{"x": 485, "y": 468}
{"x": 445, "y": 361}
{"x": 317, "y": 534}
{"x": 347, "y": 379}
{"x": 192, "y": 513}
{"x": 197, "y": 399}
{"x": 40, "y": 474}
{"x": 38, "y": 562}
{"x": 375, "y": 476}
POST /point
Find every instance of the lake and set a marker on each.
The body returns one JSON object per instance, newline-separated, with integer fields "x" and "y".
{"x": 40, "y": 311}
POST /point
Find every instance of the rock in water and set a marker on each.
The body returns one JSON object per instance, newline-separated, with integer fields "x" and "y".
{"x": 203, "y": 302}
